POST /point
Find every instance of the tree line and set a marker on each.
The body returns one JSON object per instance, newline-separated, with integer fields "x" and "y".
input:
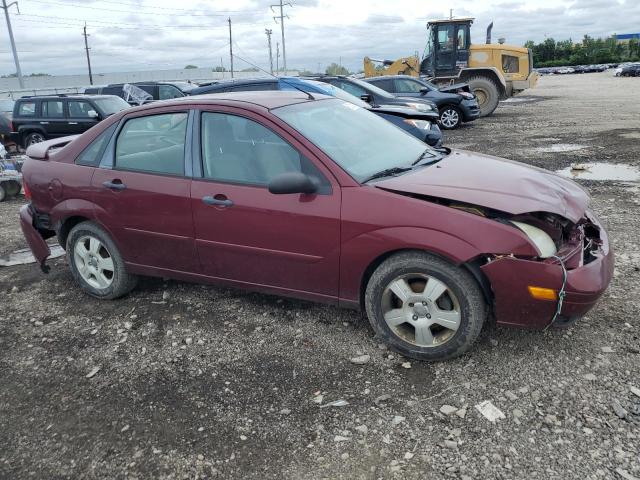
{"x": 587, "y": 52}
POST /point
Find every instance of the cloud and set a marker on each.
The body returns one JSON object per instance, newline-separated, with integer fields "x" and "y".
{"x": 163, "y": 34}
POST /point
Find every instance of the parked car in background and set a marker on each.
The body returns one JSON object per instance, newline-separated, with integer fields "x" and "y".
{"x": 422, "y": 125}
{"x": 6, "y": 115}
{"x": 630, "y": 70}
{"x": 36, "y": 119}
{"x": 375, "y": 95}
{"x": 317, "y": 198}
{"x": 156, "y": 90}
{"x": 454, "y": 108}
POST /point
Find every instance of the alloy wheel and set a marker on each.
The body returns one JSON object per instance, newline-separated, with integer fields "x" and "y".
{"x": 35, "y": 138}
{"x": 94, "y": 262}
{"x": 449, "y": 118}
{"x": 421, "y": 310}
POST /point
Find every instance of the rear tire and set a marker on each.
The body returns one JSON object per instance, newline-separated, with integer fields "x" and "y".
{"x": 13, "y": 188}
{"x": 424, "y": 307}
{"x": 450, "y": 117}
{"x": 487, "y": 93}
{"x": 33, "y": 138}
{"x": 3, "y": 192}
{"x": 96, "y": 263}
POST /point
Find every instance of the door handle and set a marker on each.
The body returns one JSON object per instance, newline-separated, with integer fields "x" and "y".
{"x": 219, "y": 202}
{"x": 115, "y": 185}
{"x": 73, "y": 123}
{"x": 44, "y": 123}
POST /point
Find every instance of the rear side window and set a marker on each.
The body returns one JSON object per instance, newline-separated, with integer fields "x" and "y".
{"x": 27, "y": 109}
{"x": 153, "y": 144}
{"x": 92, "y": 154}
{"x": 53, "y": 109}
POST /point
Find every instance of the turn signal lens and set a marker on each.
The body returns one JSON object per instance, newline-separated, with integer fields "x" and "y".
{"x": 27, "y": 192}
{"x": 540, "y": 293}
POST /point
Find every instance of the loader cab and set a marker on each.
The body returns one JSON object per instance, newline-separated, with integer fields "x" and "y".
{"x": 447, "y": 50}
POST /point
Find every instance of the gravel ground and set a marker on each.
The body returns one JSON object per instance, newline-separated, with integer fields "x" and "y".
{"x": 185, "y": 381}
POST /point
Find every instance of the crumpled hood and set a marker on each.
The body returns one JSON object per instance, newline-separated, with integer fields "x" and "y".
{"x": 495, "y": 183}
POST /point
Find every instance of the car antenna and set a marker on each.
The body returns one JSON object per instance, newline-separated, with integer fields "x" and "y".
{"x": 309, "y": 96}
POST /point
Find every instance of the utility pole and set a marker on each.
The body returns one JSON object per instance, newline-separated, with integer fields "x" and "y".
{"x": 277, "y": 57}
{"x": 269, "y": 32}
{"x": 281, "y": 17}
{"x": 6, "y": 7}
{"x": 230, "y": 47}
{"x": 86, "y": 47}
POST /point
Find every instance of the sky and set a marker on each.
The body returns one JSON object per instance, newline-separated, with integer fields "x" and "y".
{"x": 135, "y": 35}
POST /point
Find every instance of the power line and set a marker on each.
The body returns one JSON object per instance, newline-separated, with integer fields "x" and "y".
{"x": 6, "y": 7}
{"x": 281, "y": 17}
{"x": 190, "y": 13}
{"x": 137, "y": 25}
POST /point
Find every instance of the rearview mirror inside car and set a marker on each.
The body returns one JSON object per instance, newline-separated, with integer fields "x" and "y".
{"x": 292, "y": 182}
{"x": 93, "y": 114}
{"x": 366, "y": 98}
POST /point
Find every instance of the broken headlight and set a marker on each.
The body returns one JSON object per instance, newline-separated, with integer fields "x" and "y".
{"x": 543, "y": 242}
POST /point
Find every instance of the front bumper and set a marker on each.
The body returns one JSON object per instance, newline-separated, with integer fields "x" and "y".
{"x": 35, "y": 240}
{"x": 470, "y": 109}
{"x": 510, "y": 278}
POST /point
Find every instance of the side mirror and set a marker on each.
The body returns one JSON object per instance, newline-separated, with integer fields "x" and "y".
{"x": 424, "y": 91}
{"x": 292, "y": 182}
{"x": 93, "y": 114}
{"x": 366, "y": 98}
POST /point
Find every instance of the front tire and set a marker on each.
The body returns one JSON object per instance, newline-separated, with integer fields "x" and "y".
{"x": 96, "y": 263}
{"x": 424, "y": 307}
{"x": 487, "y": 93}
{"x": 450, "y": 117}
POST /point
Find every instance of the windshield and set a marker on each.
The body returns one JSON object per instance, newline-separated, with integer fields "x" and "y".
{"x": 111, "y": 105}
{"x": 373, "y": 88}
{"x": 360, "y": 141}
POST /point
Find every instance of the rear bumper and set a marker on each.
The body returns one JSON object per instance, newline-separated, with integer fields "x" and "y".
{"x": 34, "y": 239}
{"x": 510, "y": 278}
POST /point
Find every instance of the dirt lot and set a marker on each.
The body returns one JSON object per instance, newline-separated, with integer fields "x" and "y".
{"x": 200, "y": 382}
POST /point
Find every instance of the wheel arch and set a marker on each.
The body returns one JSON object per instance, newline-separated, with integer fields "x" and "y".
{"x": 489, "y": 73}
{"x": 67, "y": 225}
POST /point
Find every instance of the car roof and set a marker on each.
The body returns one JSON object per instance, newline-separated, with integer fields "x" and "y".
{"x": 384, "y": 77}
{"x": 267, "y": 99}
{"x": 62, "y": 96}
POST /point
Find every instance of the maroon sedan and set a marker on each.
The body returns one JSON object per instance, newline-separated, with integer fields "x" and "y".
{"x": 319, "y": 199}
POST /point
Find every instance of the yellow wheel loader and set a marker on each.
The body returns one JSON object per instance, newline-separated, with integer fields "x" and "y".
{"x": 493, "y": 71}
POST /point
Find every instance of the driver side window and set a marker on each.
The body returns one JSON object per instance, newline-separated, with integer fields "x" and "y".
{"x": 407, "y": 86}
{"x": 354, "y": 90}
{"x": 154, "y": 144}
{"x": 238, "y": 150}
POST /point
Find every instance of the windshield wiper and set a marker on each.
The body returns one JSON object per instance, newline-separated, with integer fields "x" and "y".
{"x": 387, "y": 172}
{"x": 423, "y": 155}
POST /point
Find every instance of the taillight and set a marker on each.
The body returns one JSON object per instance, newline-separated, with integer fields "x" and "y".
{"x": 27, "y": 192}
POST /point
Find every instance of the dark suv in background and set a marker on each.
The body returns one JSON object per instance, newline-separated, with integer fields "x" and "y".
{"x": 36, "y": 119}
{"x": 157, "y": 90}
{"x": 454, "y": 107}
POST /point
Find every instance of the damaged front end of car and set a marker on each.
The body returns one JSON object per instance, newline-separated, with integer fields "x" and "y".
{"x": 560, "y": 284}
